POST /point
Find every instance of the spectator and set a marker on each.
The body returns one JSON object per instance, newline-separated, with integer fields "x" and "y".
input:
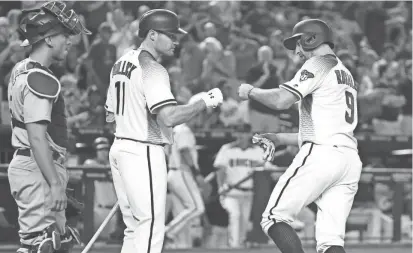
{"x": 122, "y": 37}
{"x": 4, "y": 33}
{"x": 263, "y": 75}
{"x": 232, "y": 113}
{"x": 219, "y": 63}
{"x": 259, "y": 21}
{"x": 101, "y": 57}
{"x": 191, "y": 60}
{"x": 388, "y": 57}
{"x": 245, "y": 52}
{"x": 406, "y": 91}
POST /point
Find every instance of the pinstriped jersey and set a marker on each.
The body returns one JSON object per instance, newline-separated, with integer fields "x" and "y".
{"x": 327, "y": 101}
{"x": 138, "y": 87}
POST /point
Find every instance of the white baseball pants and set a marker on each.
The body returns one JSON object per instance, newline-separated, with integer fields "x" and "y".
{"x": 326, "y": 175}
{"x": 140, "y": 176}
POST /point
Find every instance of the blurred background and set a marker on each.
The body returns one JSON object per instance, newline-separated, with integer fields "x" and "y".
{"x": 231, "y": 42}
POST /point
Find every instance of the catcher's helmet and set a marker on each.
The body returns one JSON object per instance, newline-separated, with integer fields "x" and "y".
{"x": 159, "y": 20}
{"x": 50, "y": 19}
{"x": 311, "y": 33}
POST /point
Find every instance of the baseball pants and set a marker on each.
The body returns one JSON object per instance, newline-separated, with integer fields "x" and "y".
{"x": 239, "y": 210}
{"x": 326, "y": 175}
{"x": 140, "y": 176}
{"x": 182, "y": 185}
{"x": 32, "y": 194}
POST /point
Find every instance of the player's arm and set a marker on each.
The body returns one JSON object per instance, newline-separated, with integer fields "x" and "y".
{"x": 277, "y": 99}
{"x": 160, "y": 100}
{"x": 173, "y": 115}
{"x": 42, "y": 91}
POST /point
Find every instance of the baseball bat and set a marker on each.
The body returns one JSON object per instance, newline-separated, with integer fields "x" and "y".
{"x": 100, "y": 229}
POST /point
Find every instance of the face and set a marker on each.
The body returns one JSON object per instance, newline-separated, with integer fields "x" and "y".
{"x": 61, "y": 44}
{"x": 244, "y": 139}
{"x": 389, "y": 54}
{"x": 265, "y": 54}
{"x": 301, "y": 53}
{"x": 165, "y": 43}
{"x": 210, "y": 30}
{"x": 105, "y": 35}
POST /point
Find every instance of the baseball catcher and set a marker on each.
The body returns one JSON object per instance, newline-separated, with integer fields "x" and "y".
{"x": 36, "y": 173}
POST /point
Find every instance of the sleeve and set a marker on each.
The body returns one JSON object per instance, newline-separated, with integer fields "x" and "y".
{"x": 156, "y": 86}
{"x": 222, "y": 159}
{"x": 310, "y": 76}
{"x": 36, "y": 108}
{"x": 184, "y": 139}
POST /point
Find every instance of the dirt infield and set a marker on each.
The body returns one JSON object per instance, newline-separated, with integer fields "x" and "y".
{"x": 388, "y": 248}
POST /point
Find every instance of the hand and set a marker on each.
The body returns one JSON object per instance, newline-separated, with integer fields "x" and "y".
{"x": 244, "y": 91}
{"x": 59, "y": 198}
{"x": 267, "y": 145}
{"x": 213, "y": 98}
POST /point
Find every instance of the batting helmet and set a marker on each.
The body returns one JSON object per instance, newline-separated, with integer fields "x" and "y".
{"x": 311, "y": 33}
{"x": 159, "y": 20}
{"x": 50, "y": 19}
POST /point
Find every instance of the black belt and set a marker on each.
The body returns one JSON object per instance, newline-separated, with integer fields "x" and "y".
{"x": 144, "y": 142}
{"x": 305, "y": 142}
{"x": 26, "y": 152}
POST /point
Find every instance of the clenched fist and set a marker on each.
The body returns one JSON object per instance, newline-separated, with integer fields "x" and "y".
{"x": 244, "y": 90}
{"x": 213, "y": 98}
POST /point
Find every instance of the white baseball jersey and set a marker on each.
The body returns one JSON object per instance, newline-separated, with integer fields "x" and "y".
{"x": 183, "y": 138}
{"x": 139, "y": 85}
{"x": 328, "y": 106}
{"x": 238, "y": 163}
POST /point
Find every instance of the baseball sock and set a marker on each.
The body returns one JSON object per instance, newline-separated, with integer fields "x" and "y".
{"x": 335, "y": 249}
{"x": 285, "y": 238}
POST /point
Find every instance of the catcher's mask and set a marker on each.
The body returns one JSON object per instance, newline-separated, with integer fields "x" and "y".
{"x": 50, "y": 19}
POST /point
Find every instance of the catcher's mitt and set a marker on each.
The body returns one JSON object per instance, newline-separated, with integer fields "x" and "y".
{"x": 267, "y": 145}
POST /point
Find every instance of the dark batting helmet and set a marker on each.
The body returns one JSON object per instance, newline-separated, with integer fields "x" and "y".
{"x": 311, "y": 33}
{"x": 50, "y": 19}
{"x": 159, "y": 20}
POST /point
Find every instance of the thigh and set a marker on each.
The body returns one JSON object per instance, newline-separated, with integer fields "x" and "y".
{"x": 314, "y": 169}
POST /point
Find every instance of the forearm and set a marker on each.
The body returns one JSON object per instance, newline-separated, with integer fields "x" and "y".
{"x": 221, "y": 176}
{"x": 43, "y": 157}
{"x": 176, "y": 115}
{"x": 269, "y": 98}
{"x": 4, "y": 55}
{"x": 186, "y": 158}
{"x": 260, "y": 81}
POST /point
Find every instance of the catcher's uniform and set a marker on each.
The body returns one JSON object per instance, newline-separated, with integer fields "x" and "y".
{"x": 139, "y": 86}
{"x": 238, "y": 164}
{"x": 327, "y": 168}
{"x": 183, "y": 187}
{"x": 34, "y": 96}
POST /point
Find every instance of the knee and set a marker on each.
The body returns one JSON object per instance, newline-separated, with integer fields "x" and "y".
{"x": 268, "y": 220}
{"x": 322, "y": 247}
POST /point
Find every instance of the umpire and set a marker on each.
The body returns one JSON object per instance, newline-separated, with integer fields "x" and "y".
{"x": 37, "y": 175}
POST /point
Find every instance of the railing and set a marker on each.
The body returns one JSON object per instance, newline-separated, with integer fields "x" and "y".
{"x": 86, "y": 176}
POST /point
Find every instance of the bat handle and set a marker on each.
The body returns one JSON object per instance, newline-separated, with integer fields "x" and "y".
{"x": 100, "y": 229}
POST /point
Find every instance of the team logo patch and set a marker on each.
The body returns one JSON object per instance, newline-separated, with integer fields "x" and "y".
{"x": 306, "y": 75}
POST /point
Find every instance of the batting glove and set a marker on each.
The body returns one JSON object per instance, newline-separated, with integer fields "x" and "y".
{"x": 213, "y": 98}
{"x": 267, "y": 145}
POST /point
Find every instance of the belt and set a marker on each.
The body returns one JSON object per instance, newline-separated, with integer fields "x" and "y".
{"x": 144, "y": 142}
{"x": 26, "y": 152}
{"x": 306, "y": 142}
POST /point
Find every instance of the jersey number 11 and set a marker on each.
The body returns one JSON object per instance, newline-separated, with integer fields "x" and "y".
{"x": 120, "y": 101}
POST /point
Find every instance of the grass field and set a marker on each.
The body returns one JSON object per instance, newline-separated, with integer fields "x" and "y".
{"x": 387, "y": 248}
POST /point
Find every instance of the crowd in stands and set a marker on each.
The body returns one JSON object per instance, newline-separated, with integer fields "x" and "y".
{"x": 231, "y": 42}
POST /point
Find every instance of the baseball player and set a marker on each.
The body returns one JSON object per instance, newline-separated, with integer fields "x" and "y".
{"x": 183, "y": 179}
{"x": 140, "y": 101}
{"x": 235, "y": 161}
{"x": 327, "y": 168}
{"x": 36, "y": 173}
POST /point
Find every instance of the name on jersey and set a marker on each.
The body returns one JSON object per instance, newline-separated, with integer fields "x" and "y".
{"x": 244, "y": 163}
{"x": 123, "y": 68}
{"x": 344, "y": 78}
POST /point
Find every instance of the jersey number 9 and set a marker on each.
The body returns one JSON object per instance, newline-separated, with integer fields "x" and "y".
{"x": 350, "y": 106}
{"x": 120, "y": 100}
